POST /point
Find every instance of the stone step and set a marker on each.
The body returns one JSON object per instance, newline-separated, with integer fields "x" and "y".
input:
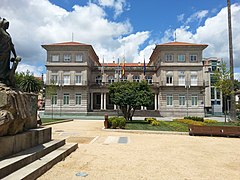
{"x": 23, "y": 158}
{"x": 40, "y": 166}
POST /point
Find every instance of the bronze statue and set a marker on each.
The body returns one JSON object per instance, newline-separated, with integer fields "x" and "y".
{"x": 6, "y": 48}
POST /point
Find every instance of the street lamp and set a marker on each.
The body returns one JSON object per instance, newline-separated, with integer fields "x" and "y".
{"x": 187, "y": 86}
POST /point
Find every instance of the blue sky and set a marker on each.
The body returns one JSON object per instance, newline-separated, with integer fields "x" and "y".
{"x": 118, "y": 28}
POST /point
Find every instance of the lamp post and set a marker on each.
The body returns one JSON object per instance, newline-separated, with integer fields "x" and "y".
{"x": 187, "y": 86}
{"x": 233, "y": 106}
{"x": 61, "y": 99}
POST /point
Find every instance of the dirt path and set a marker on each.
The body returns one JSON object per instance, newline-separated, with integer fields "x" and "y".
{"x": 116, "y": 155}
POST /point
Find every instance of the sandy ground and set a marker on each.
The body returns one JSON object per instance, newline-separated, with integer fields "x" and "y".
{"x": 145, "y": 156}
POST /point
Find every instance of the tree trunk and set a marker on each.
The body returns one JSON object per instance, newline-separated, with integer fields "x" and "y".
{"x": 233, "y": 105}
{"x": 225, "y": 105}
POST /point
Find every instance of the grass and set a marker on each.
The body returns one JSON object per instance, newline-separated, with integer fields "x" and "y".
{"x": 48, "y": 120}
{"x": 165, "y": 126}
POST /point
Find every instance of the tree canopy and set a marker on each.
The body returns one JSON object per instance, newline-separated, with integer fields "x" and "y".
{"x": 26, "y": 82}
{"x": 130, "y": 95}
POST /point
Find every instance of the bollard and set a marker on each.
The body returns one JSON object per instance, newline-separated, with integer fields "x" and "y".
{"x": 106, "y": 121}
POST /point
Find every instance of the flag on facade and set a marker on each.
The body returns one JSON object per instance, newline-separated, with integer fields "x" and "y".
{"x": 144, "y": 67}
{"x": 123, "y": 68}
{"x": 103, "y": 66}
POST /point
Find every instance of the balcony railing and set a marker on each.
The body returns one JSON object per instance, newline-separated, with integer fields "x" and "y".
{"x": 184, "y": 84}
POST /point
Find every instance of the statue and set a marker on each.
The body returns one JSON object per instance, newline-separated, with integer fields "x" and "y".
{"x": 6, "y": 48}
{"x": 18, "y": 110}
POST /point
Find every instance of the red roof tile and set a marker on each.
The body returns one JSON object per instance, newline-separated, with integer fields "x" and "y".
{"x": 68, "y": 44}
{"x": 181, "y": 44}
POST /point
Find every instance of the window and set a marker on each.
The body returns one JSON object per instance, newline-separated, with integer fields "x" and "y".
{"x": 55, "y": 58}
{"x": 136, "y": 78}
{"x": 110, "y": 79}
{"x": 181, "y": 100}
{"x": 54, "y": 99}
{"x": 148, "y": 79}
{"x": 54, "y": 79}
{"x": 193, "y": 57}
{"x": 79, "y": 58}
{"x": 124, "y": 78}
{"x": 66, "y": 79}
{"x": 66, "y": 99}
{"x": 99, "y": 79}
{"x": 169, "y": 100}
{"x": 194, "y": 100}
{"x": 214, "y": 65}
{"x": 181, "y": 57}
{"x": 67, "y": 57}
{"x": 168, "y": 57}
{"x": 218, "y": 94}
{"x": 212, "y": 79}
{"x": 169, "y": 80}
{"x": 194, "y": 80}
{"x": 78, "y": 79}
{"x": 78, "y": 99}
{"x": 181, "y": 80}
{"x": 212, "y": 93}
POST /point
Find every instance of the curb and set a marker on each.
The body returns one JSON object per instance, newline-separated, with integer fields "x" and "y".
{"x": 146, "y": 132}
{"x": 56, "y": 122}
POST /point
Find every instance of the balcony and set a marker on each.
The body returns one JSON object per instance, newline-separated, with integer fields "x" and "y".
{"x": 186, "y": 83}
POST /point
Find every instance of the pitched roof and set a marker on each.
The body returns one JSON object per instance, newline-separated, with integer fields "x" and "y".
{"x": 68, "y": 44}
{"x": 126, "y": 64}
{"x": 181, "y": 44}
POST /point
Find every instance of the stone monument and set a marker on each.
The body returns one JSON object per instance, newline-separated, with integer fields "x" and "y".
{"x": 18, "y": 110}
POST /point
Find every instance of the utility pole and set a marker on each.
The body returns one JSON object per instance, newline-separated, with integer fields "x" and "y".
{"x": 233, "y": 105}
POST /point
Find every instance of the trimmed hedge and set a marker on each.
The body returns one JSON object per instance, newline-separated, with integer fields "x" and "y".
{"x": 189, "y": 121}
{"x": 194, "y": 118}
{"x": 117, "y": 122}
{"x": 210, "y": 121}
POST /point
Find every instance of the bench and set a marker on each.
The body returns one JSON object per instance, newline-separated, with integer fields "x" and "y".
{"x": 225, "y": 131}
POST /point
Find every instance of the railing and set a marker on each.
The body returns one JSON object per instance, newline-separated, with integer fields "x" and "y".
{"x": 184, "y": 84}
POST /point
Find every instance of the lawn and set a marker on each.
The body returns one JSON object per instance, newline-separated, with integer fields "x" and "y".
{"x": 165, "y": 126}
{"x": 48, "y": 120}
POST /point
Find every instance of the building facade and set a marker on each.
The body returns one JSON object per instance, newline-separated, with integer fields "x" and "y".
{"x": 175, "y": 73}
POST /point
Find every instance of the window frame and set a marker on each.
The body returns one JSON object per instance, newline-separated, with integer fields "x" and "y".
{"x": 67, "y": 57}
{"x": 191, "y": 59}
{"x": 169, "y": 97}
{"x": 78, "y": 99}
{"x": 66, "y": 99}
{"x": 181, "y": 55}
{"x": 55, "y": 58}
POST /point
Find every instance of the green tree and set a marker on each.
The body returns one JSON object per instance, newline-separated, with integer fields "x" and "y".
{"x": 51, "y": 89}
{"x": 26, "y": 82}
{"x": 130, "y": 95}
{"x": 224, "y": 83}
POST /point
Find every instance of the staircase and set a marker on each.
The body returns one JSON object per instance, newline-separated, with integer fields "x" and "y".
{"x": 35, "y": 161}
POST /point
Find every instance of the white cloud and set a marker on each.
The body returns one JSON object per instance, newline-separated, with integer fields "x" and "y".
{"x": 214, "y": 32}
{"x": 117, "y": 5}
{"x": 37, "y": 22}
{"x": 198, "y": 16}
{"x": 180, "y": 17}
{"x": 36, "y": 71}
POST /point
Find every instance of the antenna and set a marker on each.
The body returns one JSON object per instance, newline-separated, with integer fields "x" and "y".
{"x": 175, "y": 36}
{"x": 72, "y": 36}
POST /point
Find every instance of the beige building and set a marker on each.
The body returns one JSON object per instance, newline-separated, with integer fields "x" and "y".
{"x": 175, "y": 72}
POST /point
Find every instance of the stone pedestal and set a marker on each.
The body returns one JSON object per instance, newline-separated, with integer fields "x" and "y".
{"x": 18, "y": 111}
{"x": 13, "y": 144}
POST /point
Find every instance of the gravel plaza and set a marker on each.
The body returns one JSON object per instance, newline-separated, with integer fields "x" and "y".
{"x": 123, "y": 155}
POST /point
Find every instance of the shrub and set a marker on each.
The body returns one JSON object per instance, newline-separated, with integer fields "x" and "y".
{"x": 210, "y": 121}
{"x": 155, "y": 123}
{"x": 149, "y": 120}
{"x": 194, "y": 118}
{"x": 189, "y": 121}
{"x": 117, "y": 122}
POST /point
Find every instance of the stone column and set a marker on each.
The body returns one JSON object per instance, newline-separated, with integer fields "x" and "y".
{"x": 91, "y": 101}
{"x": 105, "y": 101}
{"x": 142, "y": 107}
{"x": 156, "y": 102}
{"x": 115, "y": 106}
{"x": 102, "y": 101}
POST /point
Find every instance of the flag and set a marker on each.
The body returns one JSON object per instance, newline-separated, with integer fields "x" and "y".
{"x": 123, "y": 68}
{"x": 103, "y": 66}
{"x": 144, "y": 67}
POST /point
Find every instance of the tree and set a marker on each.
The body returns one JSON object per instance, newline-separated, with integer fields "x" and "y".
{"x": 130, "y": 95}
{"x": 224, "y": 83}
{"x": 233, "y": 105}
{"x": 26, "y": 82}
